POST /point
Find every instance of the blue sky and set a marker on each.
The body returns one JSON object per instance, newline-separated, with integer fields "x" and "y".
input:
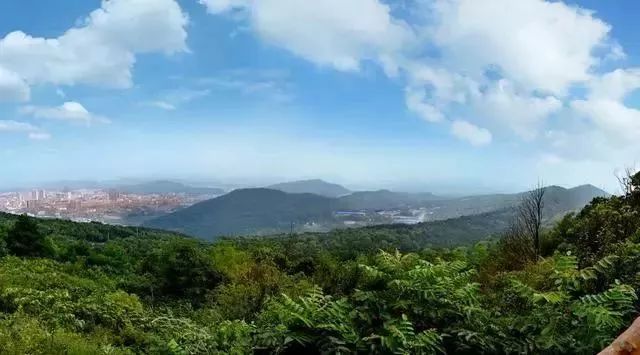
{"x": 439, "y": 95}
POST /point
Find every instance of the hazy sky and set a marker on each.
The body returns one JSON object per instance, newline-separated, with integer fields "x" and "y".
{"x": 369, "y": 93}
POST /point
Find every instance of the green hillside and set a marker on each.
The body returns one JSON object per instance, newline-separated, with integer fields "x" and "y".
{"x": 247, "y": 211}
{"x": 315, "y": 186}
{"x": 89, "y": 288}
{"x": 384, "y": 199}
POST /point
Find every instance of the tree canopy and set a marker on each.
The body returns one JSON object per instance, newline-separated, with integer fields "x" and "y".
{"x": 88, "y": 288}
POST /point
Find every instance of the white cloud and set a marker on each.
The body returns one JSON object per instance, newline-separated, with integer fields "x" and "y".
{"x": 39, "y": 136}
{"x": 182, "y": 96}
{"x": 445, "y": 86}
{"x": 172, "y": 99}
{"x": 619, "y": 122}
{"x": 13, "y": 87}
{"x": 615, "y": 85}
{"x": 102, "y": 49}
{"x": 335, "y": 33}
{"x": 15, "y": 126}
{"x": 163, "y": 105}
{"x": 273, "y": 85}
{"x": 471, "y": 133}
{"x": 534, "y": 50}
{"x": 538, "y": 44}
{"x": 606, "y": 109}
{"x": 69, "y": 111}
{"x": 523, "y": 113}
{"x": 32, "y": 132}
{"x": 510, "y": 70}
{"x": 416, "y": 100}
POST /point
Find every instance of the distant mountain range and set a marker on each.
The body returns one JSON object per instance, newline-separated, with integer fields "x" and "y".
{"x": 558, "y": 200}
{"x": 268, "y": 211}
{"x": 316, "y": 186}
{"x": 385, "y": 199}
{"x": 168, "y": 187}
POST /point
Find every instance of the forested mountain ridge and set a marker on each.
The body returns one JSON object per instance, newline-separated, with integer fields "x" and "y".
{"x": 314, "y": 186}
{"x": 248, "y": 211}
{"x": 384, "y": 199}
{"x": 72, "y": 288}
{"x": 267, "y": 211}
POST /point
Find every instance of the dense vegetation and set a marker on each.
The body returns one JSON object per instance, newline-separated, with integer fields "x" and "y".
{"x": 267, "y": 211}
{"x": 248, "y": 211}
{"x": 69, "y": 288}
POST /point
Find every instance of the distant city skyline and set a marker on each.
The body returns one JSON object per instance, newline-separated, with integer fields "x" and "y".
{"x": 436, "y": 95}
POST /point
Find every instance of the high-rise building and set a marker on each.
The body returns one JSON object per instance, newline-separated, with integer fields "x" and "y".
{"x": 38, "y": 195}
{"x": 113, "y": 194}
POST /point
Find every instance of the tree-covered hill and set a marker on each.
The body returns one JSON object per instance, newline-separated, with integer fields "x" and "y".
{"x": 350, "y": 242}
{"x": 72, "y": 288}
{"x": 248, "y": 211}
{"x": 385, "y": 199}
{"x": 314, "y": 186}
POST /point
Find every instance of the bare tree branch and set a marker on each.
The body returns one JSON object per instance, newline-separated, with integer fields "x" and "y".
{"x": 625, "y": 180}
{"x": 530, "y": 215}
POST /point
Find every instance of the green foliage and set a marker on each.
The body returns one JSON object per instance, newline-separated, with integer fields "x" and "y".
{"x": 246, "y": 212}
{"x": 406, "y": 304}
{"x": 599, "y": 228}
{"x": 70, "y": 288}
{"x": 25, "y": 239}
{"x": 187, "y": 337}
{"x": 182, "y": 269}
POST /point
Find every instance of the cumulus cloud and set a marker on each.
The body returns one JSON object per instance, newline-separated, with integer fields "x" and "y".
{"x": 101, "y": 50}
{"x": 336, "y": 33}
{"x": 510, "y": 71}
{"x": 512, "y": 63}
{"x": 12, "y": 86}
{"x": 471, "y": 133}
{"x": 614, "y": 118}
{"x": 444, "y": 85}
{"x": 522, "y": 112}
{"x": 538, "y": 44}
{"x": 606, "y": 109}
{"x": 69, "y": 111}
{"x": 615, "y": 85}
